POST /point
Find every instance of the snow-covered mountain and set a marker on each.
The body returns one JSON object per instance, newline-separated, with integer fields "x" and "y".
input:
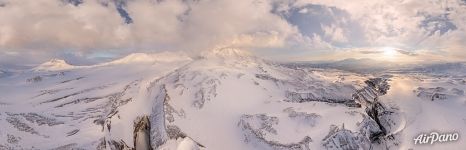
{"x": 227, "y": 99}
{"x": 149, "y": 58}
{"x": 458, "y": 68}
{"x": 363, "y": 65}
{"x": 53, "y": 65}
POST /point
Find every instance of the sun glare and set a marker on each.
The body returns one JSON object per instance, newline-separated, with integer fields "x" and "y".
{"x": 389, "y": 52}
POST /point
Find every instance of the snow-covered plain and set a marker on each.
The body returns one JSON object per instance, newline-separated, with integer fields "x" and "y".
{"x": 227, "y": 99}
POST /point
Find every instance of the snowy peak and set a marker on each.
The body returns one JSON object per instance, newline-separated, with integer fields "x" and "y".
{"x": 134, "y": 57}
{"x": 442, "y": 68}
{"x": 151, "y": 58}
{"x": 227, "y": 53}
{"x": 53, "y": 65}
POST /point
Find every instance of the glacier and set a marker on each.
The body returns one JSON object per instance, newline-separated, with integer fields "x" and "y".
{"x": 226, "y": 99}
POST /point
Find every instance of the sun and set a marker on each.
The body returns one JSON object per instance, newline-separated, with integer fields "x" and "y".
{"x": 389, "y": 52}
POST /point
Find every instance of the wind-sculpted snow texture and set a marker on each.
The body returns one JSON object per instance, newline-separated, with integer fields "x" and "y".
{"x": 227, "y": 99}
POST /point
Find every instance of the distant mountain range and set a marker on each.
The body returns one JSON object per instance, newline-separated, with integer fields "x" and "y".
{"x": 367, "y": 65}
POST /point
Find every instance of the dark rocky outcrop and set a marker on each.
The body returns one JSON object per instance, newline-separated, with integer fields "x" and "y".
{"x": 377, "y": 127}
{"x": 141, "y": 134}
{"x": 310, "y": 119}
{"x": 256, "y": 127}
{"x": 343, "y": 139}
{"x": 380, "y": 121}
{"x": 309, "y": 97}
{"x": 155, "y": 130}
{"x": 437, "y": 93}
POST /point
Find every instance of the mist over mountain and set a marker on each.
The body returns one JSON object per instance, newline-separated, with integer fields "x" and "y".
{"x": 365, "y": 65}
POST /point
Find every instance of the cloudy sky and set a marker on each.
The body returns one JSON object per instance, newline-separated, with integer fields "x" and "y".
{"x": 91, "y": 31}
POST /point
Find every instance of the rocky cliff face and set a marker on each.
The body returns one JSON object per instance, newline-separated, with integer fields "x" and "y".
{"x": 379, "y": 126}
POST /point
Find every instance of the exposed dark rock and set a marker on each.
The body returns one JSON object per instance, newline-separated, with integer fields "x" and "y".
{"x": 307, "y": 118}
{"x": 370, "y": 129}
{"x": 52, "y": 91}
{"x": 156, "y": 126}
{"x": 170, "y": 110}
{"x": 343, "y": 139}
{"x": 370, "y": 93}
{"x": 207, "y": 91}
{"x": 67, "y": 147}
{"x": 371, "y": 126}
{"x": 204, "y": 86}
{"x": 309, "y": 97}
{"x": 386, "y": 117}
{"x": 21, "y": 126}
{"x": 72, "y": 132}
{"x": 141, "y": 134}
{"x": 301, "y": 145}
{"x": 75, "y": 79}
{"x": 174, "y": 132}
{"x": 379, "y": 84}
{"x": 76, "y": 93}
{"x": 38, "y": 119}
{"x": 103, "y": 113}
{"x": 255, "y": 127}
{"x": 6, "y": 147}
{"x": 267, "y": 77}
{"x": 437, "y": 93}
{"x": 76, "y": 101}
{"x": 380, "y": 121}
{"x": 118, "y": 145}
{"x": 102, "y": 144}
{"x": 35, "y": 79}
{"x": 261, "y": 122}
{"x": 73, "y": 2}
{"x": 13, "y": 139}
{"x": 40, "y": 78}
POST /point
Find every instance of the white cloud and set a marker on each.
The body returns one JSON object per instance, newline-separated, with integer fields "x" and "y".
{"x": 52, "y": 26}
{"x": 335, "y": 33}
{"x": 45, "y": 23}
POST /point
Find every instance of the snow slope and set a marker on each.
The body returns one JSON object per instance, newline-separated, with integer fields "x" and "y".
{"x": 53, "y": 65}
{"x": 227, "y": 99}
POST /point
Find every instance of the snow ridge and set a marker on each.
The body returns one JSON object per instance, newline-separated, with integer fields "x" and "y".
{"x": 227, "y": 52}
{"x": 228, "y": 99}
{"x": 150, "y": 58}
{"x": 54, "y": 65}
